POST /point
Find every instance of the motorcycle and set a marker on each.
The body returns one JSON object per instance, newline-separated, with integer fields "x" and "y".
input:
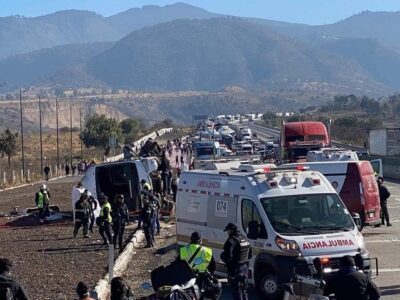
{"x": 177, "y": 281}
{"x": 303, "y": 287}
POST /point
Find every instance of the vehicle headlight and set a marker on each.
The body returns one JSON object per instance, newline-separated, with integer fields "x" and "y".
{"x": 360, "y": 240}
{"x": 287, "y": 245}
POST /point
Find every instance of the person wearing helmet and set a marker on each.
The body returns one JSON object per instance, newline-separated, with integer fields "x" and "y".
{"x": 146, "y": 216}
{"x": 10, "y": 288}
{"x": 144, "y": 197}
{"x": 105, "y": 219}
{"x": 236, "y": 255}
{"x": 42, "y": 200}
{"x": 120, "y": 218}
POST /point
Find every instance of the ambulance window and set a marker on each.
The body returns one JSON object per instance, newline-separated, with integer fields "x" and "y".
{"x": 251, "y": 213}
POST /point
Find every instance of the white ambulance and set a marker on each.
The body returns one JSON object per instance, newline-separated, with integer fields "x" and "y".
{"x": 290, "y": 217}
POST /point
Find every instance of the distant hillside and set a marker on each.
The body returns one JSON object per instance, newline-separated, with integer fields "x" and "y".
{"x": 22, "y": 35}
{"x": 381, "y": 63}
{"x": 383, "y": 27}
{"x": 215, "y": 53}
{"x": 44, "y": 64}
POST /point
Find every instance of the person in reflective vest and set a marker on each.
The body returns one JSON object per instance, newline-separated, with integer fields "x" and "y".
{"x": 105, "y": 220}
{"x": 144, "y": 195}
{"x": 42, "y": 200}
{"x": 199, "y": 258}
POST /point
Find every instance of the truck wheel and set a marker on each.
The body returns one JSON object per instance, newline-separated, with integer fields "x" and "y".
{"x": 268, "y": 287}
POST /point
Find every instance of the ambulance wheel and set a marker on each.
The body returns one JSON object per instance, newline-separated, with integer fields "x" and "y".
{"x": 268, "y": 287}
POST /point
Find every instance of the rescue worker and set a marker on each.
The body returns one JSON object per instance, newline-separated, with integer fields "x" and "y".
{"x": 105, "y": 219}
{"x": 82, "y": 215}
{"x": 10, "y": 288}
{"x": 93, "y": 207}
{"x": 384, "y": 195}
{"x": 236, "y": 255}
{"x": 350, "y": 284}
{"x": 155, "y": 224}
{"x": 145, "y": 192}
{"x": 42, "y": 200}
{"x": 164, "y": 168}
{"x": 120, "y": 218}
{"x": 199, "y": 258}
{"x": 147, "y": 215}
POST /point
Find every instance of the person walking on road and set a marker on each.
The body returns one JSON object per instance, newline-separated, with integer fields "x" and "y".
{"x": 10, "y": 288}
{"x": 46, "y": 171}
{"x": 76, "y": 195}
{"x": 105, "y": 220}
{"x": 120, "y": 219}
{"x": 42, "y": 200}
{"x": 236, "y": 255}
{"x": 66, "y": 169}
{"x": 350, "y": 284}
{"x": 384, "y": 195}
{"x": 82, "y": 215}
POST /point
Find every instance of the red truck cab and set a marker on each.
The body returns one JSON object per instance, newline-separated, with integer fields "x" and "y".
{"x": 298, "y": 138}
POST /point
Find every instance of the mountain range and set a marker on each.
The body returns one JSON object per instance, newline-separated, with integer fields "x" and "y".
{"x": 182, "y": 47}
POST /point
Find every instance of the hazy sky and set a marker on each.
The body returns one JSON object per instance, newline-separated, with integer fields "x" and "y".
{"x": 300, "y": 11}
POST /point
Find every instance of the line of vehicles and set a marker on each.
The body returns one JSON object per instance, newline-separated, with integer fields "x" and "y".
{"x": 312, "y": 206}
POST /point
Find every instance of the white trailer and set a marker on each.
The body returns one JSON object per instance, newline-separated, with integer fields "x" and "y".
{"x": 384, "y": 142}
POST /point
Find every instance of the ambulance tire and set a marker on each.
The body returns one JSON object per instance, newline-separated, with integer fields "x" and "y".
{"x": 268, "y": 287}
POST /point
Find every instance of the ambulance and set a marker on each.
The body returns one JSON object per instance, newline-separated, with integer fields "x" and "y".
{"x": 290, "y": 217}
{"x": 355, "y": 182}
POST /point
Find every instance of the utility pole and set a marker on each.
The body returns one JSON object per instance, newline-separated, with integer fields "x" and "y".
{"x": 58, "y": 149}
{"x": 22, "y": 134}
{"x": 70, "y": 126}
{"x": 80, "y": 129}
{"x": 40, "y": 134}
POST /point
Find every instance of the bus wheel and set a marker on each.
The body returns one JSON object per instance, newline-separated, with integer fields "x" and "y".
{"x": 268, "y": 287}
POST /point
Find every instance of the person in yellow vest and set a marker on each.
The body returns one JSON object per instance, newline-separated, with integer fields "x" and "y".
{"x": 42, "y": 200}
{"x": 199, "y": 258}
{"x": 105, "y": 220}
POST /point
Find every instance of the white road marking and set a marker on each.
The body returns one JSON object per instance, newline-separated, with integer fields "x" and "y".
{"x": 393, "y": 270}
{"x": 384, "y": 241}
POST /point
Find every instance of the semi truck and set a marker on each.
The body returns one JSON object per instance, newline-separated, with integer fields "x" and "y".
{"x": 297, "y": 138}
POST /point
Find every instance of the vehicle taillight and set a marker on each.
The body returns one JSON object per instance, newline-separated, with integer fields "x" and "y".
{"x": 301, "y": 168}
{"x": 266, "y": 170}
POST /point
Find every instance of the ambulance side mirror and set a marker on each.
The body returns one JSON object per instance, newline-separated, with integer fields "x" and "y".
{"x": 357, "y": 220}
{"x": 253, "y": 231}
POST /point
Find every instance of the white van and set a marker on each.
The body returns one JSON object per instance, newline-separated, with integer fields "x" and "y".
{"x": 289, "y": 216}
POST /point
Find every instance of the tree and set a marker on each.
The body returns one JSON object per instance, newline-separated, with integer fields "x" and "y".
{"x": 98, "y": 129}
{"x": 8, "y": 144}
{"x": 130, "y": 129}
